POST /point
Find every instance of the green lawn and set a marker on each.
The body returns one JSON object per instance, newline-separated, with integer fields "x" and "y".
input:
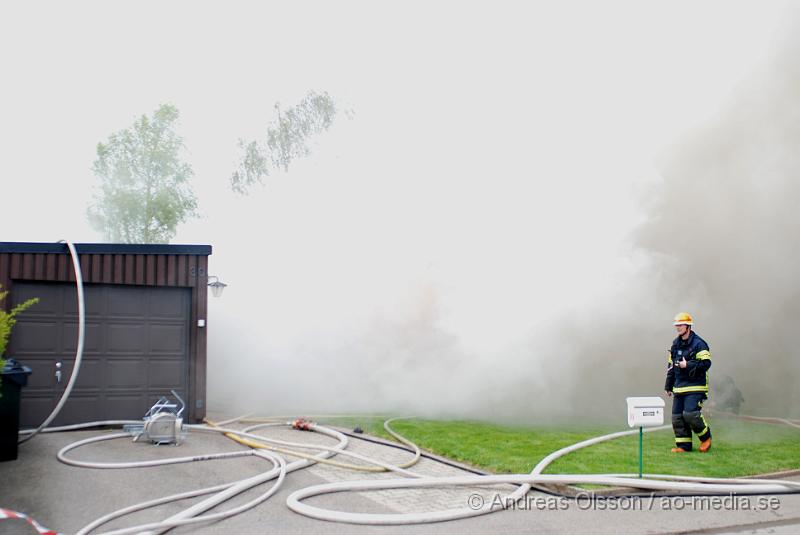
{"x": 740, "y": 447}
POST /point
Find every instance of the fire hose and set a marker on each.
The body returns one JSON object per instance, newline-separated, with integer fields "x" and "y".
{"x": 76, "y": 266}
{"x": 267, "y": 448}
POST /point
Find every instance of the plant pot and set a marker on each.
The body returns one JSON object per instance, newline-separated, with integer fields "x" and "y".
{"x": 14, "y": 377}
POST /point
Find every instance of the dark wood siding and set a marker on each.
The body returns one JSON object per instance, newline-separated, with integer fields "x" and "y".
{"x": 147, "y": 270}
{"x": 133, "y": 269}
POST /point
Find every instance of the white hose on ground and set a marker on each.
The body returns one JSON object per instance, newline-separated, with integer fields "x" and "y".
{"x": 327, "y": 431}
{"x": 223, "y": 423}
{"x": 653, "y": 482}
{"x": 152, "y": 503}
{"x": 62, "y": 455}
{"x": 264, "y": 444}
{"x": 76, "y": 266}
{"x": 212, "y": 502}
{"x": 225, "y": 491}
{"x": 401, "y": 438}
{"x": 766, "y": 419}
{"x": 295, "y": 504}
{"x": 188, "y": 516}
{"x": 83, "y": 425}
{"x": 696, "y": 485}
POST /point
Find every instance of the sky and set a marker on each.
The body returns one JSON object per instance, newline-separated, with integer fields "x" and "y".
{"x": 470, "y": 230}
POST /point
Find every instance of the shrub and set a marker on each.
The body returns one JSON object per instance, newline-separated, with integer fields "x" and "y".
{"x": 7, "y": 321}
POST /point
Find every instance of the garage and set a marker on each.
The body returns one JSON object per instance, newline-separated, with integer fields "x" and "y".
{"x": 145, "y": 328}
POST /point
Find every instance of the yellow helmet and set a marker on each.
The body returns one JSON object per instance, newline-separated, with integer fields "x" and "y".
{"x": 683, "y": 318}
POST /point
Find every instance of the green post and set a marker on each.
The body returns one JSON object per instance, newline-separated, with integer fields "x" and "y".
{"x": 641, "y": 435}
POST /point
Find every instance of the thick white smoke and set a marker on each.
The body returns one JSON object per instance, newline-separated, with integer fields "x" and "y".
{"x": 510, "y": 296}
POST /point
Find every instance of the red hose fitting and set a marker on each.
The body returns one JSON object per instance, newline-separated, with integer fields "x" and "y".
{"x": 302, "y": 424}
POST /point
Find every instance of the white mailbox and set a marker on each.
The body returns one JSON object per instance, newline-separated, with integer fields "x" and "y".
{"x": 645, "y": 412}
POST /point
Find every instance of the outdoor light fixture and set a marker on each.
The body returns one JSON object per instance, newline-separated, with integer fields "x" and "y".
{"x": 216, "y": 286}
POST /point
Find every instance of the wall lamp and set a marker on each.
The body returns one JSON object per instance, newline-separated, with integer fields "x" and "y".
{"x": 217, "y": 286}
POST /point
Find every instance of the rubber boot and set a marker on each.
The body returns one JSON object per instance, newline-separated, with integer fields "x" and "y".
{"x": 698, "y": 424}
{"x": 683, "y": 435}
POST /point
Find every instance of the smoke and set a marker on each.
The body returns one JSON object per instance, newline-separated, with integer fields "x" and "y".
{"x": 401, "y": 304}
{"x": 724, "y": 224}
{"x": 718, "y": 240}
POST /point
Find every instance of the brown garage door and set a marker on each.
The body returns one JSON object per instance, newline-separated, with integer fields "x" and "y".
{"x": 136, "y": 349}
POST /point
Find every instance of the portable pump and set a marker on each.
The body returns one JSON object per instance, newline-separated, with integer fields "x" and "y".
{"x": 162, "y": 423}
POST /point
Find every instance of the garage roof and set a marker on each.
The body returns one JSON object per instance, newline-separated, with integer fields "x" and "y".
{"x": 105, "y": 248}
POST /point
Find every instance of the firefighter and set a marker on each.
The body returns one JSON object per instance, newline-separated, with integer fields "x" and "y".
{"x": 727, "y": 395}
{"x": 688, "y": 362}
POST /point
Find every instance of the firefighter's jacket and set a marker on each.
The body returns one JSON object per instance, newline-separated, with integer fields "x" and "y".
{"x": 694, "y": 377}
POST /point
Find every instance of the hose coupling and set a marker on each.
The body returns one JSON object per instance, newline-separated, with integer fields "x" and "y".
{"x": 302, "y": 424}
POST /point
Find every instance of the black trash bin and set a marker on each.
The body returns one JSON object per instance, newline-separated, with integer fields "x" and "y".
{"x": 15, "y": 376}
